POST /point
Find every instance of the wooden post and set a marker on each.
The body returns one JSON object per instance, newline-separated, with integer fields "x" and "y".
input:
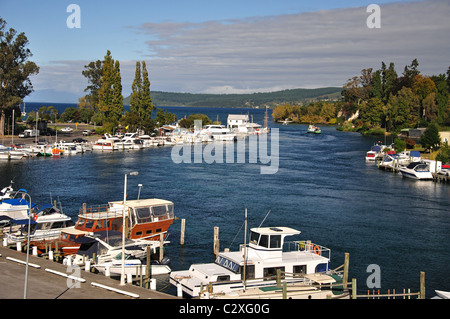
{"x": 278, "y": 278}
{"x": 148, "y": 269}
{"x": 161, "y": 247}
{"x": 284, "y": 290}
{"x": 346, "y": 262}
{"x": 183, "y": 225}
{"x": 354, "y": 288}
{"x": 216, "y": 241}
{"x": 422, "y": 285}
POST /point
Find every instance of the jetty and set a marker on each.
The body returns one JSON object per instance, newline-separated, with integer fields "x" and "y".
{"x": 52, "y": 280}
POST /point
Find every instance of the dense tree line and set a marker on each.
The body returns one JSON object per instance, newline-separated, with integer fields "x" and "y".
{"x": 386, "y": 100}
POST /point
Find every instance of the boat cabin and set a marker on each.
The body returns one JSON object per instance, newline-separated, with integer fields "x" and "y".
{"x": 146, "y": 218}
{"x": 265, "y": 255}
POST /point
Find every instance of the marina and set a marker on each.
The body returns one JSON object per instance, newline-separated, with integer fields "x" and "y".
{"x": 300, "y": 196}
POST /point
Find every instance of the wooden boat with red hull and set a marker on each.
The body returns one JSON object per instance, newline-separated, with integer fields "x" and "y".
{"x": 145, "y": 219}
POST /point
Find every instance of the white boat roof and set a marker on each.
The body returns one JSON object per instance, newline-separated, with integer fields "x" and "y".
{"x": 276, "y": 231}
{"x": 143, "y": 202}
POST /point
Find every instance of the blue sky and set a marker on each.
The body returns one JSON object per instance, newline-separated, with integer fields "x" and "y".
{"x": 227, "y": 46}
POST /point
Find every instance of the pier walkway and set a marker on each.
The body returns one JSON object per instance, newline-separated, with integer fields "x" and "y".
{"x": 48, "y": 281}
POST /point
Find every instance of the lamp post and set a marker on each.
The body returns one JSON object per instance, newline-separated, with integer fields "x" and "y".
{"x": 122, "y": 275}
{"x": 28, "y": 248}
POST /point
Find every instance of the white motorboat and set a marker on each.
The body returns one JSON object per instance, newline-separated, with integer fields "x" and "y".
{"x": 132, "y": 266}
{"x": 314, "y": 129}
{"x": 16, "y": 207}
{"x": 260, "y": 261}
{"x": 105, "y": 144}
{"x": 7, "y": 192}
{"x": 442, "y": 294}
{"x": 46, "y": 224}
{"x": 219, "y": 133}
{"x": 374, "y": 153}
{"x": 417, "y": 170}
{"x": 107, "y": 245}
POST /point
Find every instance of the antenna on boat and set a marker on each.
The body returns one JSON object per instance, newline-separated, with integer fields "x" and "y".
{"x": 139, "y": 193}
{"x": 265, "y": 218}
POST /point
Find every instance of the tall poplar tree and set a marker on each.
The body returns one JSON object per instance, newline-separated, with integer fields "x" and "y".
{"x": 136, "y": 88}
{"x": 15, "y": 71}
{"x": 110, "y": 98}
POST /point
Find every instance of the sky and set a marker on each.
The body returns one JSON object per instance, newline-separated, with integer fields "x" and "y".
{"x": 245, "y": 46}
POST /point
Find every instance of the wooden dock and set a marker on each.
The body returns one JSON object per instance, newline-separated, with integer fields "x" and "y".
{"x": 52, "y": 280}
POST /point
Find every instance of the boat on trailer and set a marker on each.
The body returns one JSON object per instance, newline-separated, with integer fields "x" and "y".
{"x": 255, "y": 265}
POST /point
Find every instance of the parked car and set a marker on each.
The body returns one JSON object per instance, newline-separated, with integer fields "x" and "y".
{"x": 88, "y": 132}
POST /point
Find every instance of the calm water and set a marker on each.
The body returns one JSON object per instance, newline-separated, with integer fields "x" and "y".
{"x": 323, "y": 188}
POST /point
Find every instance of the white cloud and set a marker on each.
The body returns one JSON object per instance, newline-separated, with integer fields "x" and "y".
{"x": 260, "y": 54}
{"x": 313, "y": 49}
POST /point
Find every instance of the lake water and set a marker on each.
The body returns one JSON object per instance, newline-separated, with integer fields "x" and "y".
{"x": 323, "y": 188}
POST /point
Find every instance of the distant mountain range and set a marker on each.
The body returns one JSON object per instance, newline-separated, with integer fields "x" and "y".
{"x": 242, "y": 100}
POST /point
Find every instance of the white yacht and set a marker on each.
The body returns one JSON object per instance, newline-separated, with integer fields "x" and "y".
{"x": 422, "y": 170}
{"x": 46, "y": 224}
{"x": 220, "y": 133}
{"x": 260, "y": 260}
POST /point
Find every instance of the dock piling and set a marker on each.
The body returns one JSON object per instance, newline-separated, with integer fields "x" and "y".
{"x": 183, "y": 226}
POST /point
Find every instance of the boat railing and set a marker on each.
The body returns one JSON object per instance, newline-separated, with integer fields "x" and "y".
{"x": 307, "y": 246}
{"x": 97, "y": 212}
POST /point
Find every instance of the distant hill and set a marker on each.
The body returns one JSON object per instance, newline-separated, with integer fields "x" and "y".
{"x": 242, "y": 100}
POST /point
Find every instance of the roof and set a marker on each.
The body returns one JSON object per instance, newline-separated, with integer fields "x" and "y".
{"x": 143, "y": 202}
{"x": 276, "y": 231}
{"x": 238, "y": 117}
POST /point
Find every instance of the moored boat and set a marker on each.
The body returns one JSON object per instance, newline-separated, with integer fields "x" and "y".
{"x": 147, "y": 220}
{"x": 314, "y": 129}
{"x": 255, "y": 265}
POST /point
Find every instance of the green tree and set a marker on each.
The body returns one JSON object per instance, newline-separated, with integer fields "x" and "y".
{"x": 441, "y": 96}
{"x": 431, "y": 138}
{"x": 136, "y": 90}
{"x": 15, "y": 71}
{"x": 372, "y": 112}
{"x": 388, "y": 80}
{"x": 110, "y": 103}
{"x": 94, "y": 74}
{"x": 147, "y": 106}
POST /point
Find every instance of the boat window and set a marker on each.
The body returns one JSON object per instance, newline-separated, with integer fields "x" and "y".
{"x": 57, "y": 225}
{"x": 99, "y": 224}
{"x": 89, "y": 224}
{"x": 254, "y": 238}
{"x": 44, "y": 226}
{"x": 223, "y": 278}
{"x": 275, "y": 241}
{"x": 143, "y": 215}
{"x": 170, "y": 210}
{"x": 142, "y": 212}
{"x": 80, "y": 222}
{"x": 264, "y": 241}
{"x": 159, "y": 211}
{"x": 299, "y": 270}
{"x": 271, "y": 273}
{"x": 249, "y": 272}
{"x": 321, "y": 267}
